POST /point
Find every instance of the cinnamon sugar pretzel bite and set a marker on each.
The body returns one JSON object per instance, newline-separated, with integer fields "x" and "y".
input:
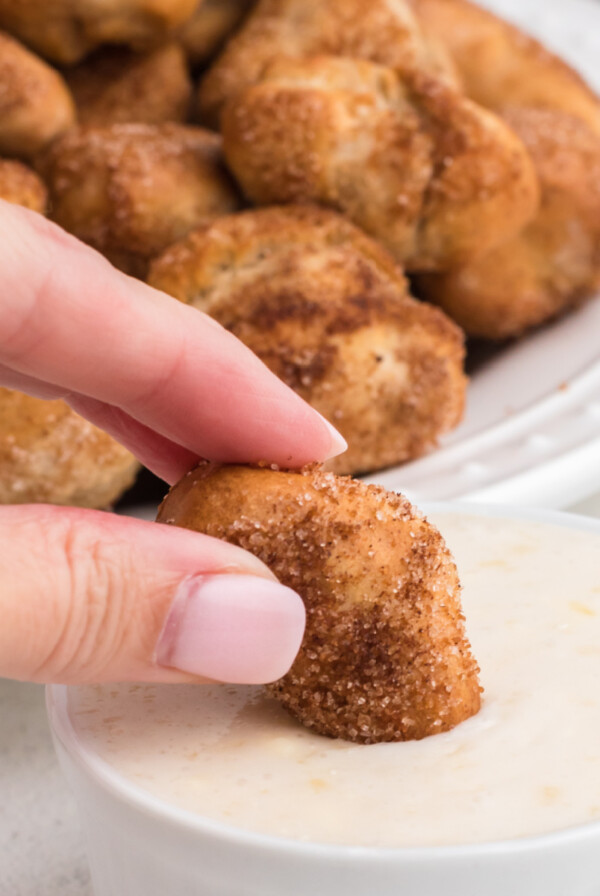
{"x": 116, "y": 85}
{"x": 501, "y": 66}
{"x": 130, "y": 190}
{"x": 437, "y": 179}
{"x": 385, "y": 656}
{"x": 554, "y": 263}
{"x": 383, "y": 31}
{"x": 21, "y": 185}
{"x": 204, "y": 34}
{"x": 51, "y": 455}
{"x": 328, "y": 311}
{"x": 67, "y": 30}
{"x": 35, "y": 103}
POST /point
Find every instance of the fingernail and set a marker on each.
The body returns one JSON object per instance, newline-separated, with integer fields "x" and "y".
{"x": 338, "y": 442}
{"x": 234, "y": 628}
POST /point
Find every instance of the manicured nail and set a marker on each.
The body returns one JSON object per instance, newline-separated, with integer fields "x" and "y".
{"x": 338, "y": 442}
{"x": 234, "y": 628}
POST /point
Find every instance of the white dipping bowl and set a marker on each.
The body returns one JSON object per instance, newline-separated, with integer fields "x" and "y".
{"x": 140, "y": 845}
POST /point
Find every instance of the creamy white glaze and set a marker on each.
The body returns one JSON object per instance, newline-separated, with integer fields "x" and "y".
{"x": 528, "y": 763}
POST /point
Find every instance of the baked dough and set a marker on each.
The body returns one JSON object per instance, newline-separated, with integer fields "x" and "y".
{"x": 51, "y": 455}
{"x": 383, "y": 31}
{"x": 116, "y": 85}
{"x": 21, "y": 185}
{"x": 328, "y": 311}
{"x": 130, "y": 190}
{"x": 554, "y": 263}
{"x": 67, "y": 30}
{"x": 501, "y": 66}
{"x": 35, "y": 103}
{"x": 385, "y": 656}
{"x": 435, "y": 178}
{"x": 204, "y": 34}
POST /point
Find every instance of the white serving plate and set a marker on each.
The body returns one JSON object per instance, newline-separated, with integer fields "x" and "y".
{"x": 531, "y": 433}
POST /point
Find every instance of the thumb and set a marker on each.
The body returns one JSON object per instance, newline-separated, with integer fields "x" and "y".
{"x": 87, "y": 596}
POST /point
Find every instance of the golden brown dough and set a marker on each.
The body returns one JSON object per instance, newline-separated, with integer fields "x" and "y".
{"x": 132, "y": 190}
{"x": 67, "y": 30}
{"x": 21, "y": 185}
{"x": 204, "y": 34}
{"x": 329, "y": 313}
{"x": 437, "y": 179}
{"x": 501, "y": 66}
{"x": 116, "y": 85}
{"x": 554, "y": 263}
{"x": 51, "y": 455}
{"x": 35, "y": 103}
{"x": 383, "y": 31}
{"x": 385, "y": 656}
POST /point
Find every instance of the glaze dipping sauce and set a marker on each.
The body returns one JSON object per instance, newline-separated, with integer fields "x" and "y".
{"x": 527, "y": 764}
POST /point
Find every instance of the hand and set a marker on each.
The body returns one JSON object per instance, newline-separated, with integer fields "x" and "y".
{"x": 89, "y": 596}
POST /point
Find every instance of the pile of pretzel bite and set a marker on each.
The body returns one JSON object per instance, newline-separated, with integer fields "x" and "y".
{"x": 351, "y": 188}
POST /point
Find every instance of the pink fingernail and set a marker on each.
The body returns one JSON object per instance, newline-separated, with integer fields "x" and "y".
{"x": 338, "y": 442}
{"x": 234, "y": 628}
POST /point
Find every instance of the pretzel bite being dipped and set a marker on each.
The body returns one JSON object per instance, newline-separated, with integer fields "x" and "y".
{"x": 21, "y": 185}
{"x": 35, "y": 103}
{"x": 328, "y": 311}
{"x": 378, "y": 30}
{"x": 116, "y": 85}
{"x": 67, "y": 30}
{"x": 204, "y": 34}
{"x": 130, "y": 190}
{"x": 51, "y": 455}
{"x": 554, "y": 263}
{"x": 435, "y": 178}
{"x": 385, "y": 656}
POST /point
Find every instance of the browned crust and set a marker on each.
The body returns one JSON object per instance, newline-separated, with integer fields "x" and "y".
{"x": 204, "y": 34}
{"x": 67, "y": 30}
{"x": 116, "y": 85}
{"x": 378, "y": 31}
{"x": 554, "y": 264}
{"x": 51, "y": 455}
{"x": 131, "y": 190}
{"x": 35, "y": 103}
{"x": 385, "y": 655}
{"x": 327, "y": 310}
{"x": 21, "y": 185}
{"x": 501, "y": 66}
{"x": 435, "y": 178}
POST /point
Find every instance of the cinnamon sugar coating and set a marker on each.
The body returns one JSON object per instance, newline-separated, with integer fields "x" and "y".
{"x": 435, "y": 178}
{"x": 51, "y": 455}
{"x": 130, "y": 190}
{"x": 500, "y": 66}
{"x": 116, "y": 85}
{"x": 554, "y": 263}
{"x": 328, "y": 311}
{"x": 385, "y": 656}
{"x": 67, "y": 30}
{"x": 383, "y": 31}
{"x": 21, "y": 185}
{"x": 204, "y": 34}
{"x": 35, "y": 103}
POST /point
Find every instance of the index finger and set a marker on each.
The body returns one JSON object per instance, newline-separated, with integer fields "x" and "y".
{"x": 67, "y": 317}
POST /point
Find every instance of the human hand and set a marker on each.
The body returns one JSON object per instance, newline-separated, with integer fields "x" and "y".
{"x": 89, "y": 596}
